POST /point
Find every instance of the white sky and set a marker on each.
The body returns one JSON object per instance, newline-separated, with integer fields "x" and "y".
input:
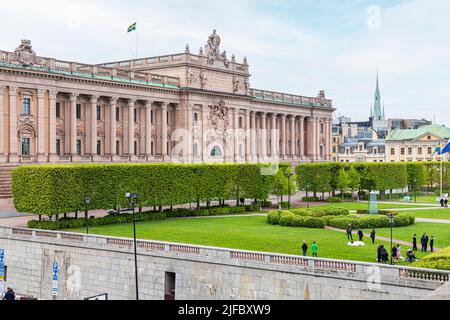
{"x": 297, "y": 47}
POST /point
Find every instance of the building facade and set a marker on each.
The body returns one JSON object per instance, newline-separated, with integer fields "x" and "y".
{"x": 417, "y": 144}
{"x": 182, "y": 108}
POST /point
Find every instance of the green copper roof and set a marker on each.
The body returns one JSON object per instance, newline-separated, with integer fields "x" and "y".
{"x": 411, "y": 134}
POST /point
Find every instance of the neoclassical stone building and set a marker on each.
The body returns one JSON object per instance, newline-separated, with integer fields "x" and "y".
{"x": 190, "y": 108}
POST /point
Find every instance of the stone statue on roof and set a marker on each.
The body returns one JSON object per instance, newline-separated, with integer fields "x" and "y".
{"x": 212, "y": 50}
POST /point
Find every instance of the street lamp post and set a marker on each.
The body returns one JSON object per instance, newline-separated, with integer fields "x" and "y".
{"x": 289, "y": 175}
{"x": 87, "y": 200}
{"x": 391, "y": 224}
{"x": 132, "y": 200}
{"x": 415, "y": 186}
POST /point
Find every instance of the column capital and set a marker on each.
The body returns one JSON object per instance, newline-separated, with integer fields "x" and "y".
{"x": 73, "y": 97}
{"x": 292, "y": 118}
{"x": 164, "y": 105}
{"x": 2, "y": 89}
{"x": 282, "y": 115}
{"x": 131, "y": 102}
{"x": 13, "y": 91}
{"x": 147, "y": 104}
{"x": 93, "y": 99}
{"x": 41, "y": 93}
{"x": 52, "y": 94}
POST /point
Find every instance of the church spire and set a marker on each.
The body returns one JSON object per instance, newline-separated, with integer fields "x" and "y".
{"x": 378, "y": 113}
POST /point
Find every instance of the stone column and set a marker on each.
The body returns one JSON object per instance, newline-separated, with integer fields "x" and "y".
{"x": 236, "y": 135}
{"x": 253, "y": 136}
{"x": 2, "y": 126}
{"x": 316, "y": 138}
{"x": 205, "y": 111}
{"x": 263, "y": 136}
{"x": 73, "y": 124}
{"x": 148, "y": 129}
{"x": 275, "y": 137}
{"x": 329, "y": 135}
{"x": 164, "y": 129}
{"x": 93, "y": 125}
{"x": 302, "y": 138}
{"x": 188, "y": 140}
{"x": 113, "y": 127}
{"x": 131, "y": 106}
{"x": 41, "y": 126}
{"x": 283, "y": 136}
{"x": 248, "y": 152}
{"x": 52, "y": 126}
{"x": 13, "y": 140}
{"x": 293, "y": 142}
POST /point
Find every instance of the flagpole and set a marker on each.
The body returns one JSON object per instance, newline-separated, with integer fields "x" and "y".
{"x": 442, "y": 180}
{"x": 136, "y": 41}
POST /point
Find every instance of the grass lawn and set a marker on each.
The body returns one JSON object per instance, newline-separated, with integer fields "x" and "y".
{"x": 442, "y": 214}
{"x": 246, "y": 233}
{"x": 365, "y": 206}
{"x": 441, "y": 233}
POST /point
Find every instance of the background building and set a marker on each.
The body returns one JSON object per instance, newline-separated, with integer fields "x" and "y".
{"x": 416, "y": 144}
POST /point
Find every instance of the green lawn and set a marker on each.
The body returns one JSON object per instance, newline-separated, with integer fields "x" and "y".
{"x": 365, "y": 206}
{"x": 246, "y": 233}
{"x": 441, "y": 233}
{"x": 443, "y": 214}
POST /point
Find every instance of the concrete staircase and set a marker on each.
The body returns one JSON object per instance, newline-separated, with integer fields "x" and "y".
{"x": 5, "y": 181}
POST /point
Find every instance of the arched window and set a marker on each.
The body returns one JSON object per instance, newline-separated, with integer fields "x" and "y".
{"x": 195, "y": 118}
{"x": 195, "y": 150}
{"x": 216, "y": 152}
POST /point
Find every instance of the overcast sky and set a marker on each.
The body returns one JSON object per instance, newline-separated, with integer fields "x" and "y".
{"x": 293, "y": 46}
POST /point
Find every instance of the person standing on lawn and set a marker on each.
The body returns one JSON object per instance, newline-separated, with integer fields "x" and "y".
{"x": 432, "y": 244}
{"x": 315, "y": 249}
{"x": 394, "y": 252}
{"x": 360, "y": 235}
{"x": 379, "y": 252}
{"x": 305, "y": 248}
{"x": 349, "y": 232}
{"x": 373, "y": 236}
{"x": 424, "y": 242}
{"x": 415, "y": 243}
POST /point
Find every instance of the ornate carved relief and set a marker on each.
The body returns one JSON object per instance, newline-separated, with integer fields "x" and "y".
{"x": 154, "y": 131}
{"x": 60, "y": 127}
{"x": 203, "y": 79}
{"x": 81, "y": 129}
{"x": 26, "y": 125}
{"x": 24, "y": 54}
{"x": 119, "y": 131}
{"x": 137, "y": 130}
{"x": 101, "y": 129}
{"x": 219, "y": 118}
{"x": 236, "y": 85}
{"x": 321, "y": 98}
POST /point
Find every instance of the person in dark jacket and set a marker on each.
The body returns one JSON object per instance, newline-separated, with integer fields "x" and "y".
{"x": 379, "y": 251}
{"x": 305, "y": 248}
{"x": 415, "y": 243}
{"x": 373, "y": 236}
{"x": 10, "y": 295}
{"x": 432, "y": 244}
{"x": 349, "y": 232}
{"x": 394, "y": 252}
{"x": 360, "y": 235}
{"x": 424, "y": 242}
{"x": 384, "y": 255}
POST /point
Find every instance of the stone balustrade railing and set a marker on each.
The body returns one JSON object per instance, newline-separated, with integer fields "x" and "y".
{"x": 288, "y": 98}
{"x": 350, "y": 269}
{"x": 91, "y": 71}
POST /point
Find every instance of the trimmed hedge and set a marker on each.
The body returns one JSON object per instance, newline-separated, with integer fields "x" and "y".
{"x": 438, "y": 260}
{"x": 343, "y": 222}
{"x": 313, "y": 222}
{"x": 57, "y": 189}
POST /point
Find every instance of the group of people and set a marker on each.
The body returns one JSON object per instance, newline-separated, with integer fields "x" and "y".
{"x": 444, "y": 200}
{"x": 314, "y": 249}
{"x": 424, "y": 241}
{"x": 350, "y": 234}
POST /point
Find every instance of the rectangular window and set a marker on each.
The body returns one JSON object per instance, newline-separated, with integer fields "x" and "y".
{"x": 99, "y": 148}
{"x": 26, "y": 106}
{"x": 135, "y": 148}
{"x": 78, "y": 147}
{"x": 167, "y": 117}
{"x": 402, "y": 151}
{"x": 419, "y": 151}
{"x": 58, "y": 110}
{"x": 392, "y": 152}
{"x": 430, "y": 150}
{"x": 99, "y": 113}
{"x": 409, "y": 151}
{"x": 118, "y": 148}
{"x": 135, "y": 115}
{"x": 58, "y": 147}
{"x": 79, "y": 111}
{"x": 117, "y": 114}
{"x": 153, "y": 121}
{"x": 26, "y": 146}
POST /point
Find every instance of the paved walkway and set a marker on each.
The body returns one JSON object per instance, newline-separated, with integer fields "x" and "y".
{"x": 404, "y": 243}
{"x": 432, "y": 220}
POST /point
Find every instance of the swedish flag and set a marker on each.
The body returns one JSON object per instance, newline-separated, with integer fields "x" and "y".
{"x": 132, "y": 27}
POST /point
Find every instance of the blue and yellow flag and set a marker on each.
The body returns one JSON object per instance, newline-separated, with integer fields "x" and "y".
{"x": 132, "y": 27}
{"x": 438, "y": 150}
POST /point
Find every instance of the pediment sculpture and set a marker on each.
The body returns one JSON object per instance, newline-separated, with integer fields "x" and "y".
{"x": 220, "y": 118}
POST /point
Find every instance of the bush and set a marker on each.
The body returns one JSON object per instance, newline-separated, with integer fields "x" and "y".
{"x": 343, "y": 222}
{"x": 252, "y": 208}
{"x": 315, "y": 223}
{"x": 404, "y": 220}
{"x": 273, "y": 217}
{"x": 267, "y": 204}
{"x": 334, "y": 199}
{"x": 284, "y": 205}
{"x": 301, "y": 212}
{"x": 310, "y": 199}
{"x": 335, "y": 211}
{"x": 286, "y": 218}
{"x": 438, "y": 260}
{"x": 373, "y": 221}
{"x": 327, "y": 219}
{"x": 297, "y": 221}
{"x": 220, "y": 211}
